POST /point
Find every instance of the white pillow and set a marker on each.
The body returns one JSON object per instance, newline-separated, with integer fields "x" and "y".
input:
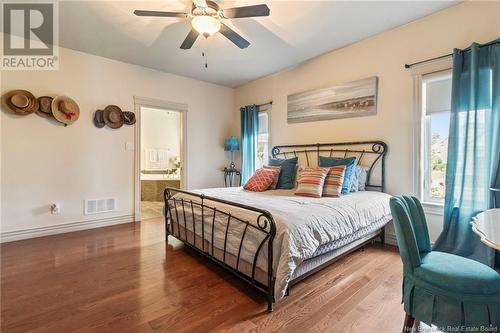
{"x": 362, "y": 177}
{"x": 358, "y": 180}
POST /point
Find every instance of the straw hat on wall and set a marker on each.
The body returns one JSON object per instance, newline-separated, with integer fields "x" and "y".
{"x": 113, "y": 116}
{"x": 99, "y": 119}
{"x": 45, "y": 107}
{"x": 20, "y": 102}
{"x": 129, "y": 118}
{"x": 65, "y": 110}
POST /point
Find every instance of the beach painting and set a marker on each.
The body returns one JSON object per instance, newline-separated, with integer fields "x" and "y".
{"x": 346, "y": 100}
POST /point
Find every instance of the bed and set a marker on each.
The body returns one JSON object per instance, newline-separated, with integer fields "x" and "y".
{"x": 273, "y": 239}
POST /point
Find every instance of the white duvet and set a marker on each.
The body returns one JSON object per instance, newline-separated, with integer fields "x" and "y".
{"x": 303, "y": 224}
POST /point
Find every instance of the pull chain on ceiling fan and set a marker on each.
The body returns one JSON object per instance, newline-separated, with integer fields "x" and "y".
{"x": 206, "y": 19}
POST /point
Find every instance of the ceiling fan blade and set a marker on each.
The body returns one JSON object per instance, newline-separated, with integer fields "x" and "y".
{"x": 190, "y": 39}
{"x": 233, "y": 36}
{"x": 200, "y": 3}
{"x": 158, "y": 14}
{"x": 248, "y": 11}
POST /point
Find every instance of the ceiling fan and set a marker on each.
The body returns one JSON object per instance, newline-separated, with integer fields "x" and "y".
{"x": 206, "y": 19}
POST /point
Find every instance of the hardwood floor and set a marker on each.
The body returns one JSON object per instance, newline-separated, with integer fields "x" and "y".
{"x": 121, "y": 279}
{"x": 151, "y": 209}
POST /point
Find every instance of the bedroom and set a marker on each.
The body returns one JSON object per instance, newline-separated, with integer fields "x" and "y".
{"x": 65, "y": 270}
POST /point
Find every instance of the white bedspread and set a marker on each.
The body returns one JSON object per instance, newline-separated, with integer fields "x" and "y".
{"x": 303, "y": 224}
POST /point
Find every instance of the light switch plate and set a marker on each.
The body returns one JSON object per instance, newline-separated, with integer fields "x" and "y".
{"x": 129, "y": 146}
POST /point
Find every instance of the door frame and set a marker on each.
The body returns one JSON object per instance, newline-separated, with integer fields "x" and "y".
{"x": 167, "y": 106}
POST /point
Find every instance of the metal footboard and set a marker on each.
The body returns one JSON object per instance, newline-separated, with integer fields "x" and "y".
{"x": 190, "y": 214}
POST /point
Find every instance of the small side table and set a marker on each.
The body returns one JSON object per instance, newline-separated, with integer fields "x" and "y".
{"x": 229, "y": 175}
{"x": 487, "y": 226}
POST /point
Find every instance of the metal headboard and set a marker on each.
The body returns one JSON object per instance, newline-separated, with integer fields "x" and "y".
{"x": 369, "y": 153}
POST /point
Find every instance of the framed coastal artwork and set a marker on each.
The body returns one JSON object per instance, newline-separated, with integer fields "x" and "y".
{"x": 345, "y": 100}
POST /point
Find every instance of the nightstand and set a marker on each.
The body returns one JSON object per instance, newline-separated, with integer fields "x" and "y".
{"x": 229, "y": 175}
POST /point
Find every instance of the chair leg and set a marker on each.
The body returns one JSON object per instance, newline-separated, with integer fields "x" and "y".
{"x": 408, "y": 325}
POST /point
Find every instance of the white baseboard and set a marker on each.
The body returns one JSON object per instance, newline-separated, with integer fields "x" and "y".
{"x": 11, "y": 236}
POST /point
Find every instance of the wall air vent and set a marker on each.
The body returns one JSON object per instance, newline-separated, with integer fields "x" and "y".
{"x": 98, "y": 206}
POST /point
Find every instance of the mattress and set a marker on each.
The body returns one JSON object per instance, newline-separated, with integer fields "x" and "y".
{"x": 325, "y": 258}
{"x": 306, "y": 227}
{"x": 361, "y": 233}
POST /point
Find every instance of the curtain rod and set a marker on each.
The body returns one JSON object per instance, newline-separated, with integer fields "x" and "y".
{"x": 264, "y": 104}
{"x": 424, "y": 61}
{"x": 497, "y": 41}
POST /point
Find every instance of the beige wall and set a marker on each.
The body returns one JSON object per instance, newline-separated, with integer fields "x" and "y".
{"x": 384, "y": 56}
{"x": 42, "y": 162}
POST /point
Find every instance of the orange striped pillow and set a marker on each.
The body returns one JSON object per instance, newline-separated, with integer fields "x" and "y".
{"x": 311, "y": 182}
{"x": 333, "y": 181}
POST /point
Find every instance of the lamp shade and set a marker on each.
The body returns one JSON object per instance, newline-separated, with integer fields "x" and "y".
{"x": 206, "y": 25}
{"x": 231, "y": 144}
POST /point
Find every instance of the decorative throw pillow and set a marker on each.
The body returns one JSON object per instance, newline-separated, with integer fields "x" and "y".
{"x": 362, "y": 177}
{"x": 333, "y": 181}
{"x": 349, "y": 162}
{"x": 275, "y": 181}
{"x": 261, "y": 180}
{"x": 354, "y": 179}
{"x": 288, "y": 170}
{"x": 311, "y": 181}
{"x": 359, "y": 177}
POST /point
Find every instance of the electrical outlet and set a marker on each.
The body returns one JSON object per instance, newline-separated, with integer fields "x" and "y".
{"x": 55, "y": 208}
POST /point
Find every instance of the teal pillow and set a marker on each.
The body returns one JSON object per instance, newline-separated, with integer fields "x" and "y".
{"x": 349, "y": 162}
{"x": 286, "y": 178}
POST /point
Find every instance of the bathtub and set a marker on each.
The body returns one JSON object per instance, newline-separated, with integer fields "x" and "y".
{"x": 153, "y": 185}
{"x": 159, "y": 176}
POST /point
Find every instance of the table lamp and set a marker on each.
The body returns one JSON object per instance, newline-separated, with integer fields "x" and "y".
{"x": 231, "y": 144}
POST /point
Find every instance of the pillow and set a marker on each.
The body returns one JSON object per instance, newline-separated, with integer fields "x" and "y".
{"x": 288, "y": 169}
{"x": 275, "y": 181}
{"x": 349, "y": 162}
{"x": 359, "y": 177}
{"x": 354, "y": 179}
{"x": 311, "y": 182}
{"x": 362, "y": 177}
{"x": 333, "y": 181}
{"x": 261, "y": 180}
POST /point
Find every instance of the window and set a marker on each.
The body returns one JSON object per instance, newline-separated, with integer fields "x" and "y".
{"x": 436, "y": 104}
{"x": 263, "y": 140}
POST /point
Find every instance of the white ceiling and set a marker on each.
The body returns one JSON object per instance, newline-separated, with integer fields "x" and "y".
{"x": 294, "y": 32}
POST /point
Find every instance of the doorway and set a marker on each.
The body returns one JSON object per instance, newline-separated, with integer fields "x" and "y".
{"x": 160, "y": 156}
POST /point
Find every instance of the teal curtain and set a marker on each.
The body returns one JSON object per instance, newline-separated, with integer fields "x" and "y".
{"x": 249, "y": 135}
{"x": 473, "y": 149}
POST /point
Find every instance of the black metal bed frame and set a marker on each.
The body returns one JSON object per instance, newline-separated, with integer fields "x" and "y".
{"x": 177, "y": 209}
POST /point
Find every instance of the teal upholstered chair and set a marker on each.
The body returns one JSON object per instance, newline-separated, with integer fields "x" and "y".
{"x": 439, "y": 288}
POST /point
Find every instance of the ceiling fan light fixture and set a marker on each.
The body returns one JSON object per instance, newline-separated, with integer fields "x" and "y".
{"x": 206, "y": 16}
{"x": 206, "y": 25}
